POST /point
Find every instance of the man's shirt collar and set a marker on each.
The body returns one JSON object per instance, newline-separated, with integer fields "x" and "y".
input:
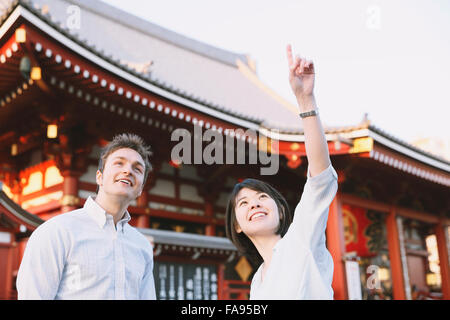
{"x": 96, "y": 212}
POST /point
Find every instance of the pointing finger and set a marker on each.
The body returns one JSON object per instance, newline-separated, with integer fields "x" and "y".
{"x": 289, "y": 55}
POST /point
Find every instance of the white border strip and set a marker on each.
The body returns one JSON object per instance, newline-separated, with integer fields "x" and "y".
{"x": 124, "y": 75}
{"x": 10, "y": 21}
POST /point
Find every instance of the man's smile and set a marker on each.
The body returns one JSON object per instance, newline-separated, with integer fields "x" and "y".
{"x": 125, "y": 181}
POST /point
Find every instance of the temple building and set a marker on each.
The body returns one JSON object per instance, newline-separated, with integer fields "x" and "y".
{"x": 75, "y": 73}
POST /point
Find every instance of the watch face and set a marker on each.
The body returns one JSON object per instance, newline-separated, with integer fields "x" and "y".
{"x": 308, "y": 114}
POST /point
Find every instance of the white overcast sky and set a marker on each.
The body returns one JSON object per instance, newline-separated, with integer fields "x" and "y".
{"x": 387, "y": 58}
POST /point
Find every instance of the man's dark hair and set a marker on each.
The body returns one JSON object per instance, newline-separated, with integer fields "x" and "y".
{"x": 240, "y": 240}
{"x": 127, "y": 140}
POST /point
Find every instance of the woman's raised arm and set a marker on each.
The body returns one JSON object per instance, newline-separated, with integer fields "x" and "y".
{"x": 301, "y": 79}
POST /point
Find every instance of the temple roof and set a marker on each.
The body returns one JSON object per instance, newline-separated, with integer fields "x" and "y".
{"x": 199, "y": 74}
{"x": 214, "y": 77}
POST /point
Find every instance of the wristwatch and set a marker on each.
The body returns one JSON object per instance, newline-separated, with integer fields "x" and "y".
{"x": 309, "y": 113}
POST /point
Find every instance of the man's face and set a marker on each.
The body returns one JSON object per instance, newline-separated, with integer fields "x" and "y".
{"x": 123, "y": 174}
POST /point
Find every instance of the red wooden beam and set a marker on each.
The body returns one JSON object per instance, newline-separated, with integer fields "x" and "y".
{"x": 49, "y": 207}
{"x": 386, "y": 208}
{"x": 42, "y": 192}
{"x": 175, "y": 216}
{"x": 417, "y": 215}
{"x": 364, "y": 203}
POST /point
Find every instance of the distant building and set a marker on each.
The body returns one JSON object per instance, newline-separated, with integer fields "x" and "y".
{"x": 437, "y": 146}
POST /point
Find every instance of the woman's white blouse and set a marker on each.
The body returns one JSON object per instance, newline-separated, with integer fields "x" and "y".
{"x": 301, "y": 265}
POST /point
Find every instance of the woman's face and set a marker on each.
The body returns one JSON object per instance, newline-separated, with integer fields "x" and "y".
{"x": 256, "y": 213}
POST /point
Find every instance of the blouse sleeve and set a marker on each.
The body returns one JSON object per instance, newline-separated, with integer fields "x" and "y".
{"x": 311, "y": 213}
{"x": 307, "y": 231}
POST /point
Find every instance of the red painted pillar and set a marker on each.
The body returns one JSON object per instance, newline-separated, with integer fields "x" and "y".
{"x": 210, "y": 229}
{"x": 9, "y": 270}
{"x": 443, "y": 244}
{"x": 70, "y": 200}
{"x": 143, "y": 220}
{"x": 6, "y": 251}
{"x": 221, "y": 284}
{"x": 398, "y": 282}
{"x": 336, "y": 246}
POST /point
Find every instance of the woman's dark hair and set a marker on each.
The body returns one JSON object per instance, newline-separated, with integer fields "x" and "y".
{"x": 240, "y": 240}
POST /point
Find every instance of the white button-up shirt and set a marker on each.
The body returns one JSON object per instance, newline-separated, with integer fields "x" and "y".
{"x": 301, "y": 266}
{"x": 81, "y": 255}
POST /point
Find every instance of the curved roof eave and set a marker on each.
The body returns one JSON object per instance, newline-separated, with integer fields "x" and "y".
{"x": 188, "y": 239}
{"x": 408, "y": 149}
{"x": 366, "y": 130}
{"x": 153, "y": 85}
{"x": 20, "y": 214}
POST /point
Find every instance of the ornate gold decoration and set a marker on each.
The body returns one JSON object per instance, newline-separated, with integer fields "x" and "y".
{"x": 362, "y": 145}
{"x": 69, "y": 200}
{"x": 243, "y": 268}
{"x": 350, "y": 227}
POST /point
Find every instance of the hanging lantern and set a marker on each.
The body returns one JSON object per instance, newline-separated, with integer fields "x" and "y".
{"x": 21, "y": 35}
{"x": 25, "y": 67}
{"x": 52, "y": 131}
{"x": 14, "y": 149}
{"x": 35, "y": 73}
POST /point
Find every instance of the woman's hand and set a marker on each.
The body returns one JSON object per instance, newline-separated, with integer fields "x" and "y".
{"x": 301, "y": 75}
{"x": 301, "y": 79}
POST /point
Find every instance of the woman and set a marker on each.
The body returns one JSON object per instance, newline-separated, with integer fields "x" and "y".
{"x": 295, "y": 263}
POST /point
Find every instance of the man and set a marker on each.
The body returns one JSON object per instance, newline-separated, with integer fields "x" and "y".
{"x": 92, "y": 252}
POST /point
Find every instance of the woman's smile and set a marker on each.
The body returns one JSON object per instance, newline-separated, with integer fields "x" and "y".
{"x": 257, "y": 215}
